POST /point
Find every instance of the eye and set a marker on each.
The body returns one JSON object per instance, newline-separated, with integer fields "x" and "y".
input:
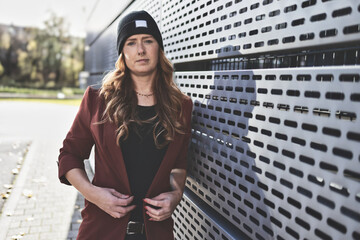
{"x": 149, "y": 41}
{"x": 130, "y": 43}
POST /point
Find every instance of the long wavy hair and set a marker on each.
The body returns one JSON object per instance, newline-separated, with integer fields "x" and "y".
{"x": 121, "y": 101}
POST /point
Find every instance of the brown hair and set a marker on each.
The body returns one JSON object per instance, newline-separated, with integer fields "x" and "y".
{"x": 121, "y": 101}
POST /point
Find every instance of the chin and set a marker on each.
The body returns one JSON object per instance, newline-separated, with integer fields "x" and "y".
{"x": 145, "y": 71}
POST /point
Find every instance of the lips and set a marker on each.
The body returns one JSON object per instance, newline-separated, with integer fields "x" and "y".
{"x": 142, "y": 60}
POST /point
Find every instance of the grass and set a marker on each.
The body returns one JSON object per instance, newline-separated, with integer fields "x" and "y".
{"x": 44, "y": 95}
{"x": 42, "y": 92}
{"x": 72, "y": 102}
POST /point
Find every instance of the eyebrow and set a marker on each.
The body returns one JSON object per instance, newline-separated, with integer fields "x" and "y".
{"x": 132, "y": 39}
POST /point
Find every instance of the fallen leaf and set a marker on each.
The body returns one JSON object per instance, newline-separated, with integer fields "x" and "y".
{"x": 4, "y": 195}
{"x": 28, "y": 193}
{"x": 8, "y": 186}
{"x": 17, "y": 237}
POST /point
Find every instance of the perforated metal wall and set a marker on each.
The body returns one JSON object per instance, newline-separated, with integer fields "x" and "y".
{"x": 275, "y": 152}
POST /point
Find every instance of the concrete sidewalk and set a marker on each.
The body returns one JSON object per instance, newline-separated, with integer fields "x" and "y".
{"x": 79, "y": 205}
{"x": 39, "y": 207}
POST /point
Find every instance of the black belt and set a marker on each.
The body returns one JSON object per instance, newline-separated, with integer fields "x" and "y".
{"x": 135, "y": 228}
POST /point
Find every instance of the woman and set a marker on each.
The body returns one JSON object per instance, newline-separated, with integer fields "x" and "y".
{"x": 139, "y": 122}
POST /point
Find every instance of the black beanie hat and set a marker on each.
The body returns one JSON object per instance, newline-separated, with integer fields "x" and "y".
{"x": 138, "y": 22}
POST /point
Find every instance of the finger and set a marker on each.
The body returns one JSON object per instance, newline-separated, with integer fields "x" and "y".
{"x": 127, "y": 201}
{"x": 116, "y": 215}
{"x": 159, "y": 197}
{"x": 158, "y": 218}
{"x": 117, "y": 194}
{"x": 156, "y": 203}
{"x": 124, "y": 210}
{"x": 155, "y": 212}
{"x": 124, "y": 201}
{"x": 153, "y": 217}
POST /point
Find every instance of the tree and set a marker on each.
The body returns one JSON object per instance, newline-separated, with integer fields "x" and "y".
{"x": 1, "y": 69}
{"x": 24, "y": 65}
{"x": 7, "y": 55}
{"x": 54, "y": 43}
{"x": 32, "y": 57}
{"x": 5, "y": 41}
{"x": 4, "y": 46}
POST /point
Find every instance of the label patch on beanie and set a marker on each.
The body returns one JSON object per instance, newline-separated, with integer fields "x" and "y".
{"x": 140, "y": 23}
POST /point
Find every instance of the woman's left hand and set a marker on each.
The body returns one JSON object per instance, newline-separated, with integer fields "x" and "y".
{"x": 165, "y": 203}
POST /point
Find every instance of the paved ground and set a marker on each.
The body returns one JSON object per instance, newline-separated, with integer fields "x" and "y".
{"x": 76, "y": 218}
{"x": 11, "y": 159}
{"x": 79, "y": 204}
{"x": 39, "y": 207}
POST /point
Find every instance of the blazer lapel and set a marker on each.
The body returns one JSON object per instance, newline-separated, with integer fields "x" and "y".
{"x": 116, "y": 158}
{"x": 158, "y": 182}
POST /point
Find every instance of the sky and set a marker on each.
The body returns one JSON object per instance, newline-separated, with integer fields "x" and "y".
{"x": 33, "y": 13}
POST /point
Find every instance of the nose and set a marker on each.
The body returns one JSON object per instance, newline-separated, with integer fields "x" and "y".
{"x": 141, "y": 49}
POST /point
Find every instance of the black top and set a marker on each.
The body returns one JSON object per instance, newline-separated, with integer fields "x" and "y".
{"x": 142, "y": 158}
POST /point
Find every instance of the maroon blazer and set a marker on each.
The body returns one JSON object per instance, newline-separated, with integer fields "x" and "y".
{"x": 110, "y": 171}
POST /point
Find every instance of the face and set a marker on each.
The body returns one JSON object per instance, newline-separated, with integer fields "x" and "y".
{"x": 141, "y": 52}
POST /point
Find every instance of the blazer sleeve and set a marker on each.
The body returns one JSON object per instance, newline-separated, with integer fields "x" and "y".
{"x": 78, "y": 142}
{"x": 181, "y": 161}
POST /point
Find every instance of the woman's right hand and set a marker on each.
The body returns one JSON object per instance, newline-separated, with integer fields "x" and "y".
{"x": 109, "y": 200}
{"x": 112, "y": 202}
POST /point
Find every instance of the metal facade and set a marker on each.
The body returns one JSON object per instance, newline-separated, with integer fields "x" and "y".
{"x": 275, "y": 151}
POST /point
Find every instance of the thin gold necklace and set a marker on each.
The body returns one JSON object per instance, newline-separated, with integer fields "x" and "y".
{"x": 144, "y": 95}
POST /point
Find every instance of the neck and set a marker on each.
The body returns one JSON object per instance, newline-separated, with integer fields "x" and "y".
{"x": 143, "y": 84}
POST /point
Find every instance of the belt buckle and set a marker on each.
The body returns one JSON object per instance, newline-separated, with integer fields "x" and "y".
{"x": 134, "y": 228}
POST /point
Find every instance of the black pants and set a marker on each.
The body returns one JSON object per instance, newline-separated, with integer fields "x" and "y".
{"x": 135, "y": 237}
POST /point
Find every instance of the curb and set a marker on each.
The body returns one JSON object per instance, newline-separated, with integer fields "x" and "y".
{"x": 15, "y": 195}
